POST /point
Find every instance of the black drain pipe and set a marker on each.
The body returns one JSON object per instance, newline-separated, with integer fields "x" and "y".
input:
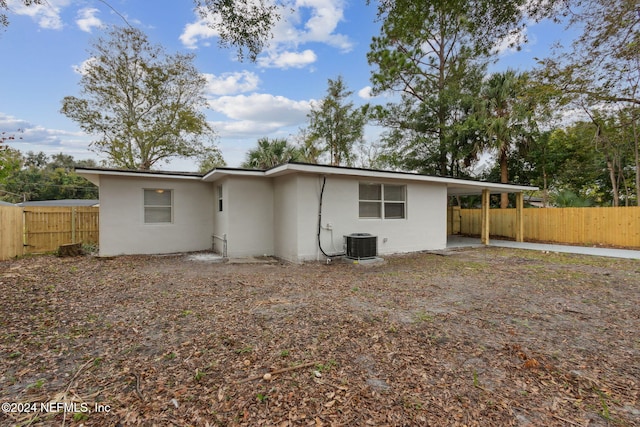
{"x": 324, "y": 182}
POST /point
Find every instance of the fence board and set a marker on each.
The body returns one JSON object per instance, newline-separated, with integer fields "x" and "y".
{"x": 10, "y": 232}
{"x": 586, "y": 226}
{"x": 46, "y": 228}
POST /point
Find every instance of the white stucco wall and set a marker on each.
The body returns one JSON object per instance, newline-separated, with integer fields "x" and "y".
{"x": 250, "y": 216}
{"x": 285, "y": 214}
{"x": 265, "y": 216}
{"x": 220, "y": 218}
{"x": 122, "y": 227}
{"x": 424, "y": 228}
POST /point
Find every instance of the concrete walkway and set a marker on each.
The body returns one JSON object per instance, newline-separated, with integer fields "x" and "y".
{"x": 460, "y": 242}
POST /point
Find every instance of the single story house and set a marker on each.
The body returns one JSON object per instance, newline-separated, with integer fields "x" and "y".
{"x": 295, "y": 211}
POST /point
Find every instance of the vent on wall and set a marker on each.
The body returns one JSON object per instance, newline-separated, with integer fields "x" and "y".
{"x": 361, "y": 245}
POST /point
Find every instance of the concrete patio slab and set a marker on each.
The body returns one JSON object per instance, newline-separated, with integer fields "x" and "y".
{"x": 460, "y": 242}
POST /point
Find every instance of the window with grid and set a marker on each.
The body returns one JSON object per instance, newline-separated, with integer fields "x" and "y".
{"x": 158, "y": 206}
{"x": 384, "y": 201}
{"x": 219, "y": 198}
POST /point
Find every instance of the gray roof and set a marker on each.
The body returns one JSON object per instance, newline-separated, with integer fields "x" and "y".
{"x": 62, "y": 202}
{"x": 6, "y": 203}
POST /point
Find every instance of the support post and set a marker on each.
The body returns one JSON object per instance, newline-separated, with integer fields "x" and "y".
{"x": 519, "y": 217}
{"x": 484, "y": 234}
{"x": 73, "y": 224}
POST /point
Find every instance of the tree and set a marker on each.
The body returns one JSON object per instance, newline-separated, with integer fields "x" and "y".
{"x": 10, "y": 162}
{"x": 309, "y": 149}
{"x": 4, "y": 6}
{"x": 603, "y": 65}
{"x": 569, "y": 199}
{"x": 508, "y": 117}
{"x": 270, "y": 153}
{"x": 210, "y": 160}
{"x": 433, "y": 54}
{"x": 336, "y": 125}
{"x": 243, "y": 24}
{"x": 143, "y": 104}
{"x": 36, "y": 177}
{"x": 248, "y": 24}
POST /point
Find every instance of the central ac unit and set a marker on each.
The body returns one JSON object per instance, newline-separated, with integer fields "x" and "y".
{"x": 361, "y": 245}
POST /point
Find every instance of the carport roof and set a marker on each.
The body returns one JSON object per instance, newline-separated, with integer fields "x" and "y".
{"x": 454, "y": 186}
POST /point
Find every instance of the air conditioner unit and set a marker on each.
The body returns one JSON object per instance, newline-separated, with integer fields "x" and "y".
{"x": 361, "y": 245}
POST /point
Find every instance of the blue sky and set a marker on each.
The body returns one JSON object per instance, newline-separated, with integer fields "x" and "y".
{"x": 43, "y": 46}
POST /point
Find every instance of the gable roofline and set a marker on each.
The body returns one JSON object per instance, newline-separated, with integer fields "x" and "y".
{"x": 455, "y": 186}
{"x": 137, "y": 172}
{"x": 218, "y": 173}
{"x": 93, "y": 174}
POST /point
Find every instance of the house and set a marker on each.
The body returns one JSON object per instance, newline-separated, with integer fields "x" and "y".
{"x": 295, "y": 211}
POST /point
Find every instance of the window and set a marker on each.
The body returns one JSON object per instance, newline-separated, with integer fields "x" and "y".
{"x": 219, "y": 198}
{"x": 383, "y": 201}
{"x": 158, "y": 207}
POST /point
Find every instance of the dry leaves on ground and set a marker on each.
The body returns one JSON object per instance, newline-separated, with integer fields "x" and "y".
{"x": 481, "y": 337}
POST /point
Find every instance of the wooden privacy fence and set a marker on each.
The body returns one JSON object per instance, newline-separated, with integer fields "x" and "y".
{"x": 582, "y": 226}
{"x": 43, "y": 229}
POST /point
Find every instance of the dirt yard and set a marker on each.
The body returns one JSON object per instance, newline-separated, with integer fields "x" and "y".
{"x": 480, "y": 337}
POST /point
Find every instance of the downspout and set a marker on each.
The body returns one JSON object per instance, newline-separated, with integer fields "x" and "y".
{"x": 324, "y": 182}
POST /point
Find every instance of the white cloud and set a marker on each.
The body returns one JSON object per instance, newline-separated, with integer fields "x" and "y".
{"x": 264, "y": 108}
{"x": 87, "y": 19}
{"x": 83, "y": 67}
{"x": 231, "y": 83}
{"x": 325, "y": 17}
{"x": 32, "y": 137}
{"x": 197, "y": 31}
{"x": 47, "y": 15}
{"x": 288, "y": 59}
{"x": 247, "y": 129}
{"x": 365, "y": 93}
{"x": 257, "y": 115}
{"x": 303, "y": 21}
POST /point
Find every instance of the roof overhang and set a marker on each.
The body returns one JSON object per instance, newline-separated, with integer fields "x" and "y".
{"x": 455, "y": 187}
{"x": 220, "y": 173}
{"x": 93, "y": 174}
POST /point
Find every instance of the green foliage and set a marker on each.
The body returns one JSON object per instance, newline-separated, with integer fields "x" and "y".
{"x": 603, "y": 66}
{"x": 335, "y": 125}
{"x": 270, "y": 153}
{"x": 584, "y": 159}
{"x": 10, "y": 162}
{"x": 36, "y": 177}
{"x": 4, "y": 20}
{"x": 243, "y": 24}
{"x": 144, "y": 105}
{"x": 569, "y": 199}
{"x": 433, "y": 54}
{"x": 211, "y": 159}
{"x": 508, "y": 117}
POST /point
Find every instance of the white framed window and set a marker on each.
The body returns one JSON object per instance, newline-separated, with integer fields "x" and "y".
{"x": 220, "y": 198}
{"x": 158, "y": 206}
{"x": 383, "y": 201}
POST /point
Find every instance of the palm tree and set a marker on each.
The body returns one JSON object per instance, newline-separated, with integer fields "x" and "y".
{"x": 270, "y": 153}
{"x": 508, "y": 113}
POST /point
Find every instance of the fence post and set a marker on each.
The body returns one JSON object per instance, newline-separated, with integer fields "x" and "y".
{"x": 73, "y": 224}
{"x": 519, "y": 222}
{"x": 484, "y": 227}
